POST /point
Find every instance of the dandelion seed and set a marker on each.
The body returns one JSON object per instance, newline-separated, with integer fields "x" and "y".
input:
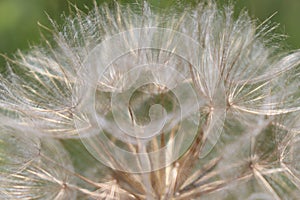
{"x": 32, "y": 169}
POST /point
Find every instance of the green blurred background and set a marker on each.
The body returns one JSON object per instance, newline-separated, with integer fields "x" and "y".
{"x": 19, "y": 29}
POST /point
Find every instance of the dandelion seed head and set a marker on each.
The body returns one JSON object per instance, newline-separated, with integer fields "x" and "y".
{"x": 174, "y": 105}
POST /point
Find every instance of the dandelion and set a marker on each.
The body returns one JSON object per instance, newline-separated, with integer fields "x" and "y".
{"x": 127, "y": 102}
